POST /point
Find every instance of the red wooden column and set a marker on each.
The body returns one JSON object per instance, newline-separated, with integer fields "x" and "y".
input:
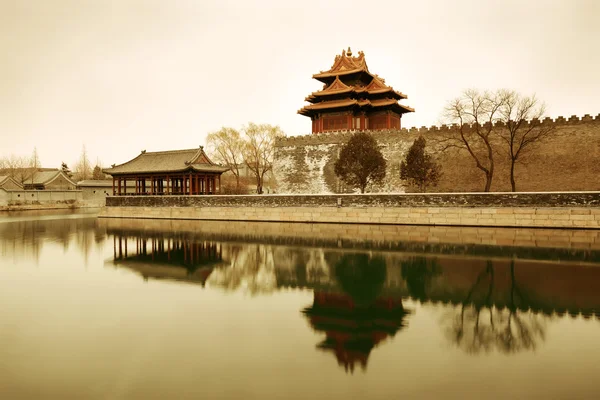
{"x": 114, "y": 186}
{"x": 125, "y": 186}
{"x": 119, "y": 186}
{"x": 388, "y": 121}
{"x": 362, "y": 122}
{"x": 349, "y": 122}
{"x": 219, "y": 177}
{"x": 167, "y": 184}
{"x": 190, "y": 184}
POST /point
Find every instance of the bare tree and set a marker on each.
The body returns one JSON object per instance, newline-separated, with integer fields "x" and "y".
{"x": 522, "y": 127}
{"x": 16, "y": 167}
{"x": 259, "y": 150}
{"x": 83, "y": 169}
{"x": 34, "y": 164}
{"x": 473, "y": 116}
{"x": 226, "y": 146}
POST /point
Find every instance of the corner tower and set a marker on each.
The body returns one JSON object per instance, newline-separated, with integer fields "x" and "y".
{"x": 353, "y": 98}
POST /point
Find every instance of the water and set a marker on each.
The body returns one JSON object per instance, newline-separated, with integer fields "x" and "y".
{"x": 132, "y": 309}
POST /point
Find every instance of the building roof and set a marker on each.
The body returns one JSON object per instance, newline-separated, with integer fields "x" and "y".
{"x": 334, "y": 104}
{"x": 376, "y": 86}
{"x": 344, "y": 65}
{"x": 167, "y": 161}
{"x": 95, "y": 183}
{"x": 5, "y": 179}
{"x": 45, "y": 176}
{"x": 348, "y": 83}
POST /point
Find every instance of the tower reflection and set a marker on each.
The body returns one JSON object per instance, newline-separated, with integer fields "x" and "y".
{"x": 358, "y": 318}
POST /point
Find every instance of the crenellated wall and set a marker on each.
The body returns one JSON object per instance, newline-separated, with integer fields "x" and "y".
{"x": 569, "y": 160}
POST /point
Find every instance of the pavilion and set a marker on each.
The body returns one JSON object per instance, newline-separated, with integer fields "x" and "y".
{"x": 175, "y": 172}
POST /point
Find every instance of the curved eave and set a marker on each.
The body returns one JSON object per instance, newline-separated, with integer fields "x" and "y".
{"x": 310, "y": 109}
{"x": 325, "y": 77}
{"x": 392, "y": 104}
{"x": 212, "y": 168}
{"x": 313, "y": 97}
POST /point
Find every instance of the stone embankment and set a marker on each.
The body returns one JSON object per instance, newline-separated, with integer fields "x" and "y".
{"x": 556, "y": 210}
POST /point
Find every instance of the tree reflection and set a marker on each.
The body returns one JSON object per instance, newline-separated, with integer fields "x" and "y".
{"x": 360, "y": 318}
{"x": 249, "y": 267}
{"x": 481, "y": 326}
{"x": 417, "y": 273}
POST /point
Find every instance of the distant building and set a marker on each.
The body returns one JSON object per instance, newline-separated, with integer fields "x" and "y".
{"x": 48, "y": 179}
{"x": 353, "y": 98}
{"x": 8, "y": 183}
{"x": 175, "y": 172}
{"x": 95, "y": 189}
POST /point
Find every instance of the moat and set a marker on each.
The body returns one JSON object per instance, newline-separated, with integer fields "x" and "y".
{"x": 144, "y": 309}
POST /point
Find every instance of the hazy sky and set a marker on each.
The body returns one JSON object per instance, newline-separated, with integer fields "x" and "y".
{"x": 126, "y": 75}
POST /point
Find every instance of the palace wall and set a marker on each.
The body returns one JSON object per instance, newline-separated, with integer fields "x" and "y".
{"x": 557, "y": 210}
{"x": 569, "y": 161}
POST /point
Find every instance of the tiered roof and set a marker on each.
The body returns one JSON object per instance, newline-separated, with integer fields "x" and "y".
{"x": 349, "y": 83}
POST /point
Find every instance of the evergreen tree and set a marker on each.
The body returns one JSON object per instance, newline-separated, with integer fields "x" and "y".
{"x": 97, "y": 174}
{"x": 360, "y": 162}
{"x": 66, "y": 170}
{"x": 419, "y": 168}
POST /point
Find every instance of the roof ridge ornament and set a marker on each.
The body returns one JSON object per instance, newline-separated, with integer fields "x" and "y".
{"x": 144, "y": 151}
{"x": 349, "y": 52}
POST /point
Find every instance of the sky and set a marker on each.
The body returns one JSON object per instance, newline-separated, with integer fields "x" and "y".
{"x": 121, "y": 76}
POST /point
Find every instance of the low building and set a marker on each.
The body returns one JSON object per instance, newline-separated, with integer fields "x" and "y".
{"x": 49, "y": 179}
{"x": 174, "y": 172}
{"x": 8, "y": 183}
{"x": 93, "y": 190}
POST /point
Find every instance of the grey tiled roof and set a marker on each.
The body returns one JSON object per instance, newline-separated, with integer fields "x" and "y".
{"x": 95, "y": 183}
{"x": 167, "y": 161}
{"x": 45, "y": 176}
{"x": 6, "y": 179}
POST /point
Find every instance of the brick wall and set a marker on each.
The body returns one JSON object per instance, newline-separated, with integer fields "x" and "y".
{"x": 568, "y": 161}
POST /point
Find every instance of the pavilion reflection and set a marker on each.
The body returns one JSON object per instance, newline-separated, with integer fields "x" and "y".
{"x": 169, "y": 258}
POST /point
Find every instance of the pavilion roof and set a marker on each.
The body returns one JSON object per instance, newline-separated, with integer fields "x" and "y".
{"x": 167, "y": 162}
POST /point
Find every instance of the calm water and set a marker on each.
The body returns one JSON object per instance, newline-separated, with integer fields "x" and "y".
{"x": 105, "y": 309}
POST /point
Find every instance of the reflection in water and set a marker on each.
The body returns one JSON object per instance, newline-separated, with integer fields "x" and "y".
{"x": 359, "y": 319}
{"x": 168, "y": 258}
{"x": 67, "y": 329}
{"x": 357, "y": 297}
{"x": 23, "y": 237}
{"x": 418, "y": 273}
{"x": 482, "y": 326}
{"x": 500, "y": 304}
